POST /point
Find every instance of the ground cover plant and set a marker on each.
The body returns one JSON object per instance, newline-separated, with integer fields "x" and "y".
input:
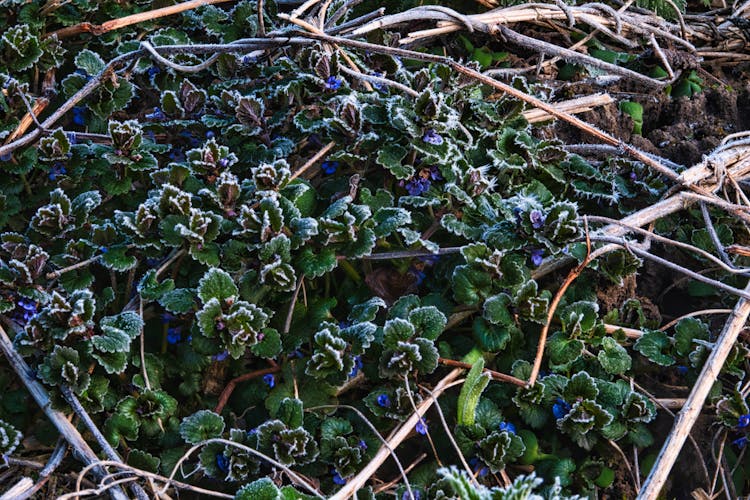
{"x": 332, "y": 249}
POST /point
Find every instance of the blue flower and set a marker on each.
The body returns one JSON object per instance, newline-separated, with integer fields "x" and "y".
{"x": 741, "y": 442}
{"x": 417, "y": 495}
{"x": 83, "y": 73}
{"x": 57, "y": 170}
{"x": 210, "y": 134}
{"x": 682, "y": 370}
{"x": 507, "y": 426}
{"x": 333, "y": 83}
{"x": 633, "y": 176}
{"x": 537, "y": 219}
{"x": 252, "y": 432}
{"x": 432, "y": 137}
{"x": 103, "y": 249}
{"x": 418, "y": 274}
{"x": 329, "y": 167}
{"x": 269, "y": 380}
{"x": 153, "y": 71}
{"x": 357, "y": 366}
{"x": 27, "y": 304}
{"x": 157, "y": 115}
{"x": 560, "y": 408}
{"x": 174, "y": 335}
{"x": 337, "y": 479}
{"x": 362, "y": 444}
{"x": 421, "y": 427}
{"x": 417, "y": 185}
{"x": 79, "y": 115}
{"x": 743, "y": 421}
{"x": 6, "y": 157}
{"x": 222, "y": 462}
{"x": 537, "y": 256}
{"x": 376, "y": 85}
{"x": 221, "y": 356}
{"x": 384, "y": 401}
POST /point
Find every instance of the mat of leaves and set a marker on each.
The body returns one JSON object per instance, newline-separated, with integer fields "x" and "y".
{"x": 255, "y": 250}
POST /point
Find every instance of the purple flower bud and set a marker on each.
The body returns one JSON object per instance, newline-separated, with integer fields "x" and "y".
{"x": 221, "y": 356}
{"x": 507, "y": 426}
{"x": 224, "y": 162}
{"x": 174, "y": 335}
{"x": 79, "y": 115}
{"x": 357, "y": 366}
{"x": 333, "y": 83}
{"x": 157, "y": 115}
{"x": 362, "y": 444}
{"x": 421, "y": 427}
{"x": 432, "y": 137}
{"x": 560, "y": 408}
{"x": 384, "y": 401}
{"x": 222, "y": 463}
{"x": 337, "y": 479}
{"x": 329, "y": 167}
{"x": 269, "y": 380}
{"x": 537, "y": 219}
{"x": 537, "y": 256}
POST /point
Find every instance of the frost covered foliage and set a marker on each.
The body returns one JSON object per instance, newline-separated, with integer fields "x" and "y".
{"x": 173, "y": 208}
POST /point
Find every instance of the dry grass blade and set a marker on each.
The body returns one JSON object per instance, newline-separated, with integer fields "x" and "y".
{"x": 689, "y": 414}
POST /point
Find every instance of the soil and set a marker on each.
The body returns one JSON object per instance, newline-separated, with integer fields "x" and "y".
{"x": 680, "y": 129}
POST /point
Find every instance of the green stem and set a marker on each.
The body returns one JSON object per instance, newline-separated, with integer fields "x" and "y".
{"x": 349, "y": 270}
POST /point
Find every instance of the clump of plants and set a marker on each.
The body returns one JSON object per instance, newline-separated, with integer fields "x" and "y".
{"x": 267, "y": 265}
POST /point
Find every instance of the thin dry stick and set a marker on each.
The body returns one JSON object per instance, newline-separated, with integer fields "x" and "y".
{"x": 58, "y": 419}
{"x": 110, "y": 452}
{"x": 574, "y": 273}
{"x": 229, "y": 389}
{"x": 293, "y": 475}
{"x": 501, "y": 377}
{"x": 406, "y": 428}
{"x": 320, "y": 154}
{"x": 395, "y": 481}
{"x": 694, "y": 313}
{"x": 54, "y": 461}
{"x": 151, "y": 475}
{"x": 577, "y": 105}
{"x": 114, "y": 24}
{"x": 689, "y": 414}
{"x": 374, "y": 431}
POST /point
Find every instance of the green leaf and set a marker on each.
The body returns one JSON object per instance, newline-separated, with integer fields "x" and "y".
{"x": 200, "y": 426}
{"x": 143, "y": 460}
{"x": 216, "y": 284}
{"x": 655, "y": 345}
{"x": 90, "y": 62}
{"x": 119, "y": 427}
{"x": 428, "y": 321}
{"x": 475, "y": 383}
{"x": 316, "y": 265}
{"x": 390, "y": 157}
{"x": 178, "y": 301}
{"x": 563, "y": 351}
{"x": 270, "y": 346}
{"x": 260, "y": 489}
{"x": 497, "y": 309}
{"x": 10, "y": 438}
{"x": 687, "y": 330}
{"x": 151, "y": 289}
{"x": 117, "y": 260}
{"x": 613, "y": 357}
